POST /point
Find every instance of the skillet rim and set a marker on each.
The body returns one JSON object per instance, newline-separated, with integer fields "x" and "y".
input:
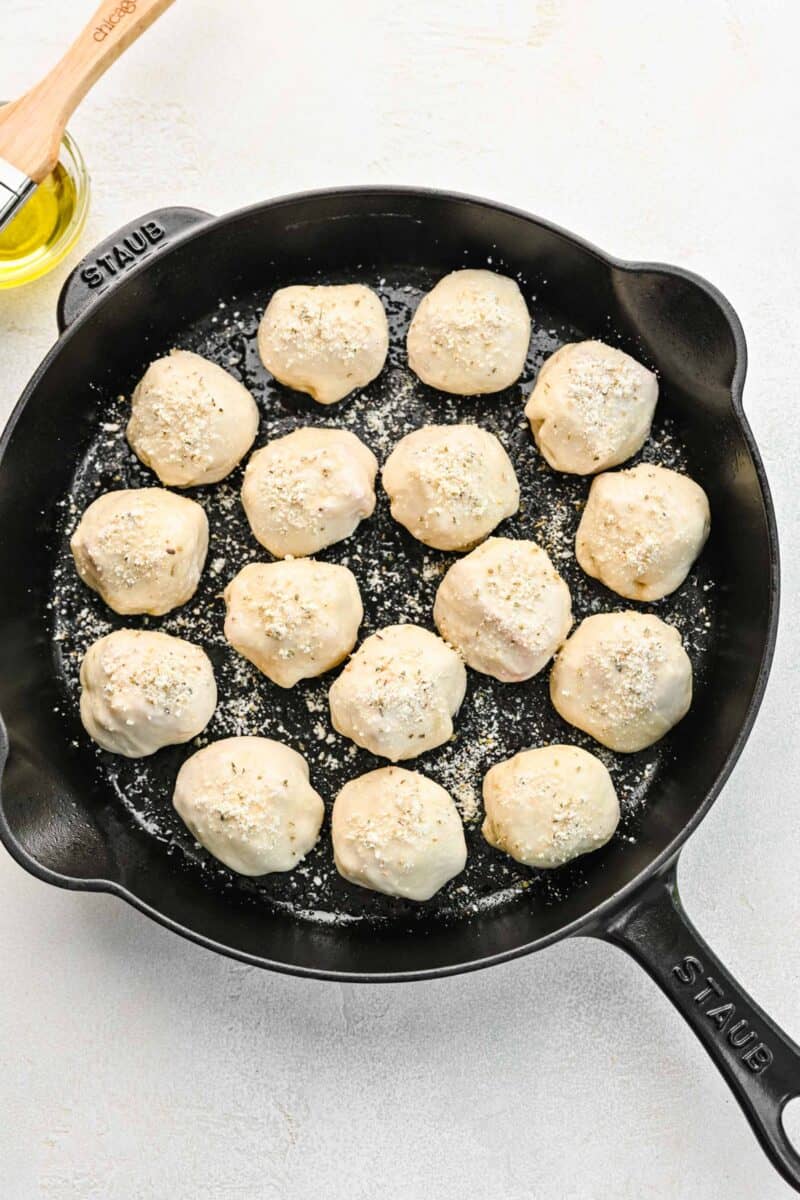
{"x": 596, "y": 918}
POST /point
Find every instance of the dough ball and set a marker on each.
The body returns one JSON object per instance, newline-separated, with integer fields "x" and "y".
{"x": 326, "y": 341}
{"x": 249, "y": 802}
{"x": 641, "y": 531}
{"x": 470, "y": 334}
{"x": 547, "y": 806}
{"x": 191, "y": 421}
{"x": 624, "y": 678}
{"x": 308, "y": 490}
{"x": 142, "y": 549}
{"x": 399, "y": 693}
{"x": 505, "y": 608}
{"x": 450, "y": 485}
{"x": 591, "y": 408}
{"x": 293, "y": 619}
{"x": 397, "y": 832}
{"x": 141, "y": 690}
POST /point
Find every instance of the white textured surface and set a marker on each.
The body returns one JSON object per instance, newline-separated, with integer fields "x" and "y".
{"x": 134, "y": 1065}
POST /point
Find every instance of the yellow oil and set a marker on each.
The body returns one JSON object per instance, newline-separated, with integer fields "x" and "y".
{"x": 27, "y": 241}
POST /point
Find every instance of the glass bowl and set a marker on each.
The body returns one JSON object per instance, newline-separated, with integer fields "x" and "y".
{"x": 49, "y": 224}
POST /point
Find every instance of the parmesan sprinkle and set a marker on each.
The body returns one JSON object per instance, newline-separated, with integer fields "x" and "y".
{"x": 602, "y": 393}
{"x": 317, "y": 326}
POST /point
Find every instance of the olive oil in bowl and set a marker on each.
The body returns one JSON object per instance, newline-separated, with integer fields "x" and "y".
{"x": 49, "y": 224}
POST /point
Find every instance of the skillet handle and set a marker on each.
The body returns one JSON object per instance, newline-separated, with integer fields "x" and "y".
{"x": 759, "y": 1062}
{"x": 119, "y": 254}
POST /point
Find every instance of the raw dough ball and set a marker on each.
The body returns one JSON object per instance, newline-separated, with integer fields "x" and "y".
{"x": 191, "y": 421}
{"x": 470, "y": 334}
{"x": 141, "y": 690}
{"x": 450, "y": 485}
{"x": 591, "y": 408}
{"x": 624, "y": 678}
{"x": 308, "y": 490}
{"x": 142, "y": 549}
{"x": 249, "y": 802}
{"x": 505, "y": 608}
{"x": 399, "y": 693}
{"x": 294, "y": 619}
{"x": 326, "y": 341}
{"x": 547, "y": 806}
{"x": 397, "y": 832}
{"x": 641, "y": 531}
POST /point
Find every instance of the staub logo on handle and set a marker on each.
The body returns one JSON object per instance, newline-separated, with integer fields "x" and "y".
{"x": 123, "y": 254}
{"x": 109, "y": 23}
{"x": 722, "y": 1013}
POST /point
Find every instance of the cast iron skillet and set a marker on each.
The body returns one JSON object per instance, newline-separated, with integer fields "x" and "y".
{"x": 156, "y": 283}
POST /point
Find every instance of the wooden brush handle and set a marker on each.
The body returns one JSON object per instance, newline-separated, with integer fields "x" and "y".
{"x": 32, "y": 127}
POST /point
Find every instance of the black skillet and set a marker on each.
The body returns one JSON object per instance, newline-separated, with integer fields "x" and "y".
{"x": 81, "y": 819}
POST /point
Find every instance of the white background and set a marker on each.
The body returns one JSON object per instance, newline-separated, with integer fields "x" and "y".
{"x": 134, "y": 1065}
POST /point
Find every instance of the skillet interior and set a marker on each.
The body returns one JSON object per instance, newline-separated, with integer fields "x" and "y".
{"x": 86, "y": 815}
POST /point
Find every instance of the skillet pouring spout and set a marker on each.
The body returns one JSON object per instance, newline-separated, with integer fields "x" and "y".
{"x": 760, "y": 1064}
